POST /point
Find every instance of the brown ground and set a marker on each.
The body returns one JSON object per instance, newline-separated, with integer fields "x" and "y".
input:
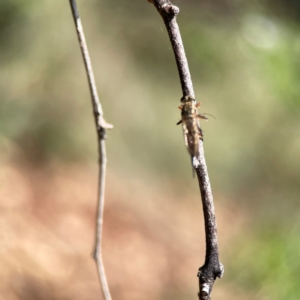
{"x": 153, "y": 237}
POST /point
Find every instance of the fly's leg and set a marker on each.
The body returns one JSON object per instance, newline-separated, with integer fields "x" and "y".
{"x": 186, "y": 138}
{"x": 202, "y": 117}
{"x": 180, "y": 107}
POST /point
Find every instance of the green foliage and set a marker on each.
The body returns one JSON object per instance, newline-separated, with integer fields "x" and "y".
{"x": 267, "y": 263}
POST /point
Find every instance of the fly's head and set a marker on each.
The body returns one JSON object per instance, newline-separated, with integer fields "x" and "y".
{"x": 188, "y": 99}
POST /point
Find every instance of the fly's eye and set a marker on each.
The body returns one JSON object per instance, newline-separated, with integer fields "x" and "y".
{"x": 183, "y": 99}
{"x": 190, "y": 98}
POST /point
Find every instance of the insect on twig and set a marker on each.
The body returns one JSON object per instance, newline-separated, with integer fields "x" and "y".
{"x": 190, "y": 124}
{"x": 212, "y": 267}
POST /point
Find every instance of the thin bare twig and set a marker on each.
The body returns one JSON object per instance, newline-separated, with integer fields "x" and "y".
{"x": 212, "y": 268}
{"x": 101, "y": 127}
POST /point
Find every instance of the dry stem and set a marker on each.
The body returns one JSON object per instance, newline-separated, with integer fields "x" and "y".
{"x": 212, "y": 268}
{"x": 101, "y": 127}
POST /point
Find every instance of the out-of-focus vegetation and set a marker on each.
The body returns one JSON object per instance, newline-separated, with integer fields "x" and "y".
{"x": 245, "y": 64}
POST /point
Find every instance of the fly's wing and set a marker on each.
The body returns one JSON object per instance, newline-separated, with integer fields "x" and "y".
{"x": 191, "y": 139}
{"x": 185, "y": 135}
{"x": 188, "y": 143}
{"x": 193, "y": 143}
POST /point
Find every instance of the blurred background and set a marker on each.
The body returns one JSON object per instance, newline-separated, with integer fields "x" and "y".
{"x": 244, "y": 58}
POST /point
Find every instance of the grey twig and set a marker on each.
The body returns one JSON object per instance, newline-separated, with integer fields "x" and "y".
{"x": 212, "y": 268}
{"x": 101, "y": 127}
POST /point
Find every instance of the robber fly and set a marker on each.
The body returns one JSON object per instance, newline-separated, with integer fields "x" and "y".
{"x": 190, "y": 124}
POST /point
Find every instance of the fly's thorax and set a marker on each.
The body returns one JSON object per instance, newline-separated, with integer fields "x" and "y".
{"x": 186, "y": 113}
{"x": 189, "y": 110}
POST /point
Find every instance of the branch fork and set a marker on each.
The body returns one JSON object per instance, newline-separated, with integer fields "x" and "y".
{"x": 102, "y": 125}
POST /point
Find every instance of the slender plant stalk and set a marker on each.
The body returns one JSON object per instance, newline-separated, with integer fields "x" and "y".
{"x": 101, "y": 127}
{"x": 212, "y": 268}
